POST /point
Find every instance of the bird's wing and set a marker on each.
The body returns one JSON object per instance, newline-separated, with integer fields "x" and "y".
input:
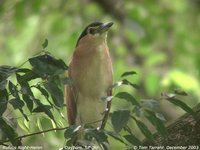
{"x": 70, "y": 98}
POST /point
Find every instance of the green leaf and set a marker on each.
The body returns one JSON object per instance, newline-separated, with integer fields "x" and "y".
{"x": 42, "y": 108}
{"x": 133, "y": 140}
{"x": 56, "y": 93}
{"x": 115, "y": 136}
{"x": 9, "y": 131}
{"x": 28, "y": 101}
{"x": 126, "y": 82}
{"x": 23, "y": 70}
{"x": 71, "y": 131}
{"x": 156, "y": 122}
{"x": 45, "y": 44}
{"x": 117, "y": 84}
{"x": 24, "y": 115}
{"x": 16, "y": 103}
{"x": 6, "y": 71}
{"x": 120, "y": 119}
{"x": 22, "y": 125}
{"x": 27, "y": 124}
{"x": 43, "y": 91}
{"x": 38, "y": 124}
{"x": 3, "y": 84}
{"x": 46, "y": 65}
{"x": 128, "y": 97}
{"x": 13, "y": 89}
{"x": 182, "y": 105}
{"x": 180, "y": 92}
{"x": 128, "y": 73}
{"x": 25, "y": 88}
{"x": 28, "y": 76}
{"x": 143, "y": 128}
{"x": 99, "y": 135}
{"x": 3, "y": 101}
{"x": 53, "y": 124}
{"x": 45, "y": 109}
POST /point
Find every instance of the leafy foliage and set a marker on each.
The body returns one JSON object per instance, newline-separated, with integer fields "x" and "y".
{"x": 46, "y": 70}
{"x": 120, "y": 119}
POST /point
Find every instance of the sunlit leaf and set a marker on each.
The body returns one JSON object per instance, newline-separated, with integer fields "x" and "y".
{"x": 22, "y": 125}
{"x": 43, "y": 91}
{"x": 38, "y": 124}
{"x": 27, "y": 124}
{"x": 22, "y": 112}
{"x": 53, "y": 124}
{"x": 120, "y": 119}
{"x": 60, "y": 124}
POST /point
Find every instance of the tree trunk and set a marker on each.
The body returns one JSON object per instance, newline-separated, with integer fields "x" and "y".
{"x": 183, "y": 132}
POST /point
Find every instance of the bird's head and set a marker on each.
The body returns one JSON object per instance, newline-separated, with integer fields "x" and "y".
{"x": 94, "y": 32}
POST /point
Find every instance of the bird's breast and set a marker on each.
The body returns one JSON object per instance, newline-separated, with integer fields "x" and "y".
{"x": 92, "y": 72}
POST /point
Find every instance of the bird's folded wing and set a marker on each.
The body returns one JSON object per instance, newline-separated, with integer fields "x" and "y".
{"x": 70, "y": 98}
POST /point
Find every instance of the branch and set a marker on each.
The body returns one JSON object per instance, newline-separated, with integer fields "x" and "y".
{"x": 184, "y": 131}
{"x": 31, "y": 134}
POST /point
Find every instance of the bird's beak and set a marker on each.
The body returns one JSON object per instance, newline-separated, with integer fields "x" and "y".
{"x": 103, "y": 28}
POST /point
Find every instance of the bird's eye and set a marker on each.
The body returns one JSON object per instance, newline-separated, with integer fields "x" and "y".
{"x": 91, "y": 30}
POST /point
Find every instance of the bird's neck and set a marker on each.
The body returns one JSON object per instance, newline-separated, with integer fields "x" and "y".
{"x": 91, "y": 46}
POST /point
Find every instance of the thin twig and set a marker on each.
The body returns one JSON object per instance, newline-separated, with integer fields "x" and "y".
{"x": 27, "y": 135}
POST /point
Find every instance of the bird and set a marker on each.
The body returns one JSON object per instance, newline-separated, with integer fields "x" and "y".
{"x": 91, "y": 73}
